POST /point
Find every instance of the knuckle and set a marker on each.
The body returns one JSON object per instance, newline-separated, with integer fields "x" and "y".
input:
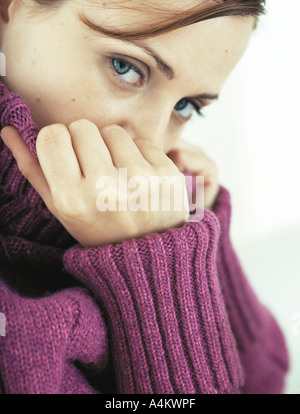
{"x": 70, "y": 206}
{"x": 50, "y": 132}
{"x": 112, "y": 130}
{"x": 145, "y": 145}
{"x": 141, "y": 141}
{"x": 81, "y": 124}
{"x": 138, "y": 169}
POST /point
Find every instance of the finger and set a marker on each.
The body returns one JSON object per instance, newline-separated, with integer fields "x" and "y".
{"x": 194, "y": 163}
{"x": 151, "y": 153}
{"x": 57, "y": 157}
{"x": 126, "y": 152}
{"x": 91, "y": 151}
{"x": 123, "y": 151}
{"x": 28, "y": 164}
{"x": 175, "y": 156}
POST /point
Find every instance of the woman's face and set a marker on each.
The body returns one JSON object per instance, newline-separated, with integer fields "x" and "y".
{"x": 66, "y": 71}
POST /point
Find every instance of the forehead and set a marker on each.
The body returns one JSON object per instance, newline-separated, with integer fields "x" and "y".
{"x": 219, "y": 42}
{"x": 205, "y": 52}
{"x": 210, "y": 48}
{"x": 138, "y": 14}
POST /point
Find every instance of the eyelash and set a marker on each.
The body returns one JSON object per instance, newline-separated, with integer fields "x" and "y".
{"x": 142, "y": 74}
{"x": 198, "y": 108}
{"x": 145, "y": 78}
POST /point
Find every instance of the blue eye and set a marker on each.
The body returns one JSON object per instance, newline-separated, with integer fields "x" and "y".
{"x": 121, "y": 67}
{"x": 186, "y": 108}
{"x": 181, "y": 104}
{"x": 128, "y": 73}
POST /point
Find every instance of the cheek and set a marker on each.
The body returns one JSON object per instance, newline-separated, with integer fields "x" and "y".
{"x": 50, "y": 106}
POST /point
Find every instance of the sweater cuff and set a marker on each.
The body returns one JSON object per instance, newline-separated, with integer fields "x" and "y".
{"x": 244, "y": 309}
{"x": 161, "y": 298}
{"x": 252, "y": 323}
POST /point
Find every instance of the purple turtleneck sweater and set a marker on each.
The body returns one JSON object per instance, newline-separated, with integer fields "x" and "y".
{"x": 167, "y": 313}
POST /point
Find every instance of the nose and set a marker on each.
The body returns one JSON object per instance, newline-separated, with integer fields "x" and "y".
{"x": 149, "y": 125}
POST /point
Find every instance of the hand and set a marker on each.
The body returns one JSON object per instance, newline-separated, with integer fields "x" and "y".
{"x": 188, "y": 157}
{"x": 70, "y": 162}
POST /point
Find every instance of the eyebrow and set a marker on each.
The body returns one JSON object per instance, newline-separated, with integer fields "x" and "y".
{"x": 167, "y": 69}
{"x": 162, "y": 66}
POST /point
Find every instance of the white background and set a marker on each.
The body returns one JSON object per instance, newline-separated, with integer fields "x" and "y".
{"x": 253, "y": 134}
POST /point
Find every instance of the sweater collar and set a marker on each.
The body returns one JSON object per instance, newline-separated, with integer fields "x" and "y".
{"x": 22, "y": 210}
{"x": 15, "y": 111}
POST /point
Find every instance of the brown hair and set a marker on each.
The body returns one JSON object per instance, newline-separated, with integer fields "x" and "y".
{"x": 164, "y": 20}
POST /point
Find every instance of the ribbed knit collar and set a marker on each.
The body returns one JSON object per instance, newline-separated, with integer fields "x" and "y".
{"x": 22, "y": 210}
{"x": 14, "y": 111}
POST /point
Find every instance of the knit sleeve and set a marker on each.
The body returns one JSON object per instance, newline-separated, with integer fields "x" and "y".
{"x": 43, "y": 338}
{"x": 261, "y": 344}
{"x": 166, "y": 319}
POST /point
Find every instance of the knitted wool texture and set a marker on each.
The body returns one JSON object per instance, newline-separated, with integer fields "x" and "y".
{"x": 167, "y": 313}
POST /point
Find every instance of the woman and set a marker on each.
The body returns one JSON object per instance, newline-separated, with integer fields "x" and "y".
{"x": 121, "y": 301}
